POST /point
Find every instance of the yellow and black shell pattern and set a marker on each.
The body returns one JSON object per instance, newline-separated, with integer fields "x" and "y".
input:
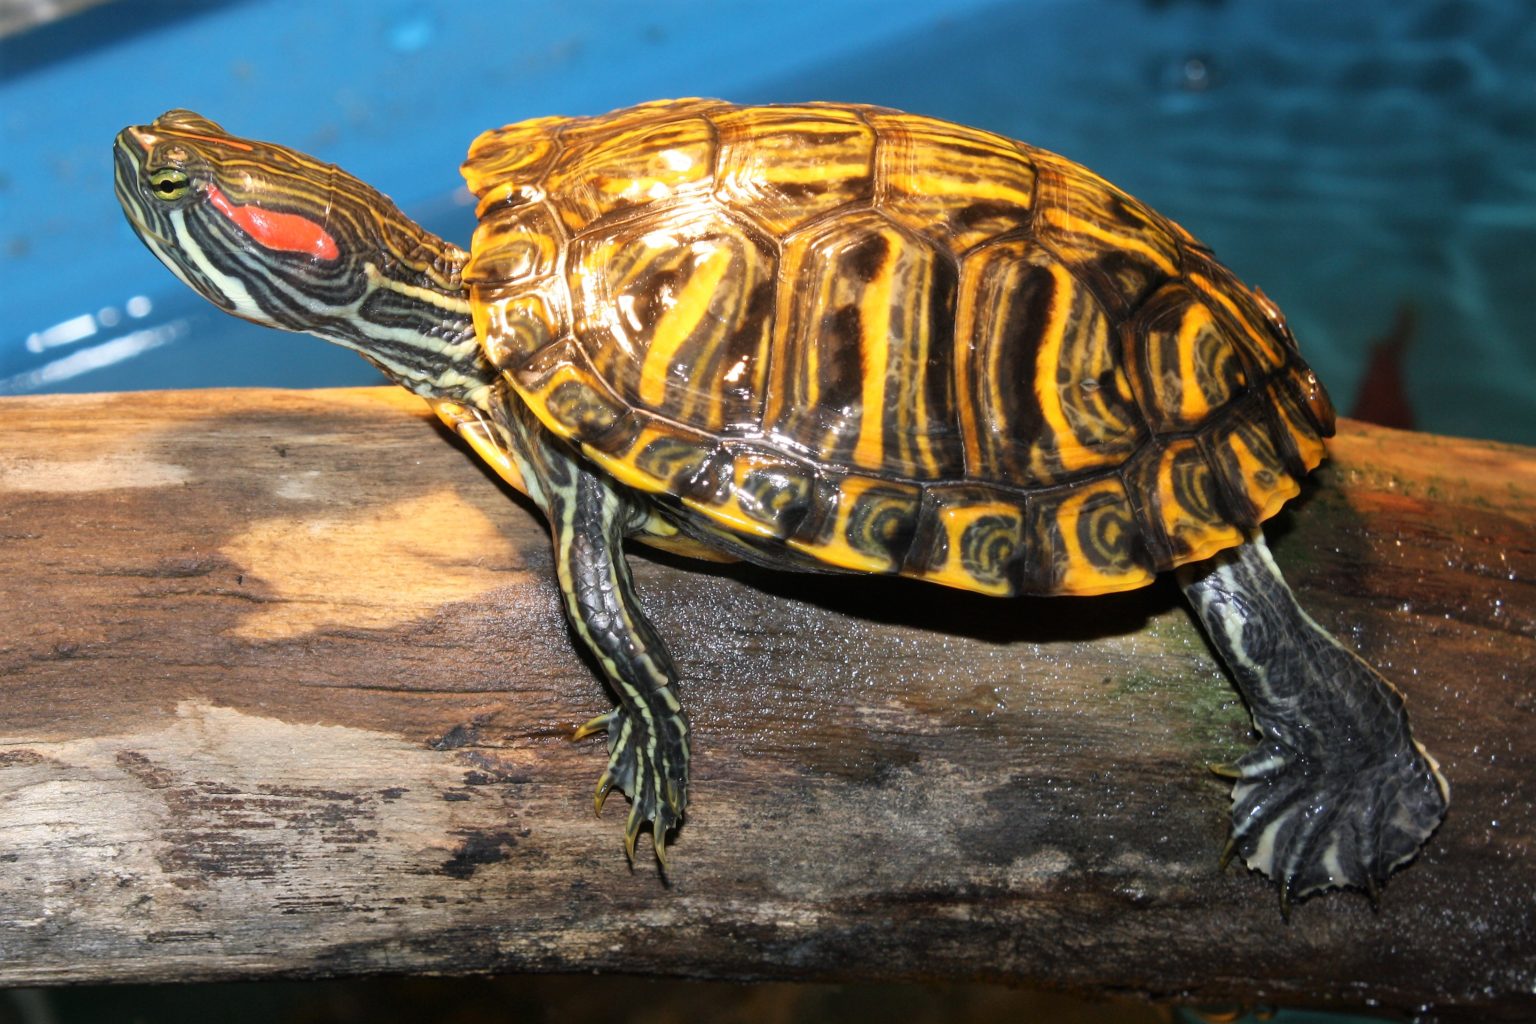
{"x": 885, "y": 343}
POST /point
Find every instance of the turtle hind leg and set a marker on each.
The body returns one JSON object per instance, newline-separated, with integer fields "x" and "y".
{"x": 647, "y": 731}
{"x": 1338, "y": 792}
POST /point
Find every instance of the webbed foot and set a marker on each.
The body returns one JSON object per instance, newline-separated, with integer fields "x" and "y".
{"x": 1337, "y": 793}
{"x": 652, "y": 770}
{"x": 1347, "y": 822}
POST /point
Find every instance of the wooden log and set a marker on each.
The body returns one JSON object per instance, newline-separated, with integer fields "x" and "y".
{"x": 287, "y": 691}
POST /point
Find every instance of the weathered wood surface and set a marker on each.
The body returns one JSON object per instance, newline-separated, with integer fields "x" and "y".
{"x": 286, "y": 691}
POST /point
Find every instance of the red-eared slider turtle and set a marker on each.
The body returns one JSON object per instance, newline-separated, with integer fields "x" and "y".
{"x": 834, "y": 337}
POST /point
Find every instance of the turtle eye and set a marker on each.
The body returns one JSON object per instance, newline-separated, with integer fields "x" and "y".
{"x": 170, "y": 183}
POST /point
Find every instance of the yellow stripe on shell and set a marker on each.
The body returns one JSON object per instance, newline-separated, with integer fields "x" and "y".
{"x": 912, "y": 406}
{"x": 794, "y": 370}
{"x": 1060, "y": 218}
{"x": 988, "y": 279}
{"x": 679, "y": 322}
{"x": 1260, "y": 340}
{"x": 1047, "y": 366}
{"x": 875, "y": 355}
{"x": 1193, "y": 404}
{"x": 971, "y": 190}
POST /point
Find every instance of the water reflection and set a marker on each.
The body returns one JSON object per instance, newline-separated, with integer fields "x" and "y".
{"x": 87, "y": 359}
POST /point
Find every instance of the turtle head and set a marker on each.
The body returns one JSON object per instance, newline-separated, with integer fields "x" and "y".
{"x": 271, "y": 235}
{"x": 254, "y": 228}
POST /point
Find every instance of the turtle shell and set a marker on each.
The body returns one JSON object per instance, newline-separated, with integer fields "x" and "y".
{"x": 886, "y": 343}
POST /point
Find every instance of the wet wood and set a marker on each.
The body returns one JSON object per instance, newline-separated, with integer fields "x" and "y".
{"x": 286, "y": 691}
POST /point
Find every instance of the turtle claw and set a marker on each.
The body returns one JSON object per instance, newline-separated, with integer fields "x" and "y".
{"x": 601, "y": 723}
{"x": 632, "y": 832}
{"x": 653, "y": 774}
{"x": 660, "y": 845}
{"x": 1228, "y": 852}
{"x": 1373, "y": 892}
{"x": 600, "y": 796}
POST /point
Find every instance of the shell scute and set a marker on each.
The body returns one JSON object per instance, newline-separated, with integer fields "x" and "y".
{"x": 1300, "y": 438}
{"x": 1257, "y": 337}
{"x": 970, "y": 537}
{"x": 674, "y": 312}
{"x": 1183, "y": 511}
{"x": 961, "y": 186}
{"x": 519, "y": 322}
{"x": 1252, "y": 467}
{"x": 578, "y": 132}
{"x": 1085, "y": 539}
{"x": 1045, "y": 397}
{"x": 1114, "y": 244}
{"x": 504, "y": 161}
{"x": 863, "y": 357}
{"x": 859, "y": 522}
{"x": 790, "y": 165}
{"x": 626, "y": 168}
{"x": 758, "y": 491}
{"x": 515, "y": 245}
{"x": 1182, "y": 365}
{"x": 653, "y": 455}
{"x": 560, "y": 387}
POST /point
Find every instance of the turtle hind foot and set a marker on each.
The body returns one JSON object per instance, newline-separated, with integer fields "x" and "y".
{"x": 651, "y": 771}
{"x": 1312, "y": 826}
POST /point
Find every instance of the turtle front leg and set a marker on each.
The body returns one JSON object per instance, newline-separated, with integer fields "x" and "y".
{"x": 647, "y": 731}
{"x": 1338, "y": 792}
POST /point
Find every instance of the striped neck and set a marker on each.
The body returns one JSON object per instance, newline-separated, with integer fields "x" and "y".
{"x": 412, "y": 320}
{"x": 279, "y": 238}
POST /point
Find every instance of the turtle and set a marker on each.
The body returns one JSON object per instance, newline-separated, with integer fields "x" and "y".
{"x": 830, "y": 337}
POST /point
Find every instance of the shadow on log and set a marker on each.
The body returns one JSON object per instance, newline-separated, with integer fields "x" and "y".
{"x": 287, "y": 691}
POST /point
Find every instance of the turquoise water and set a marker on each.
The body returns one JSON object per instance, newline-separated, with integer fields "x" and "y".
{"x": 1359, "y": 161}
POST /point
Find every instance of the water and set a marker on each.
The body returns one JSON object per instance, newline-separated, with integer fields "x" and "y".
{"x": 1357, "y": 161}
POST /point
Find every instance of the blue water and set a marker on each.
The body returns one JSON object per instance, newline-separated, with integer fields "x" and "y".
{"x": 1353, "y": 159}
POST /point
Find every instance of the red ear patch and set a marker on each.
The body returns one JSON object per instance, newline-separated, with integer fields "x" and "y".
{"x": 273, "y": 229}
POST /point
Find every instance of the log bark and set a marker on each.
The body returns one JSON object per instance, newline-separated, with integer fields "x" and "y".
{"x": 287, "y": 692}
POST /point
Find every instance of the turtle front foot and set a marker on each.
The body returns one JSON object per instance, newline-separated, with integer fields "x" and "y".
{"x": 1350, "y": 822}
{"x": 647, "y": 762}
